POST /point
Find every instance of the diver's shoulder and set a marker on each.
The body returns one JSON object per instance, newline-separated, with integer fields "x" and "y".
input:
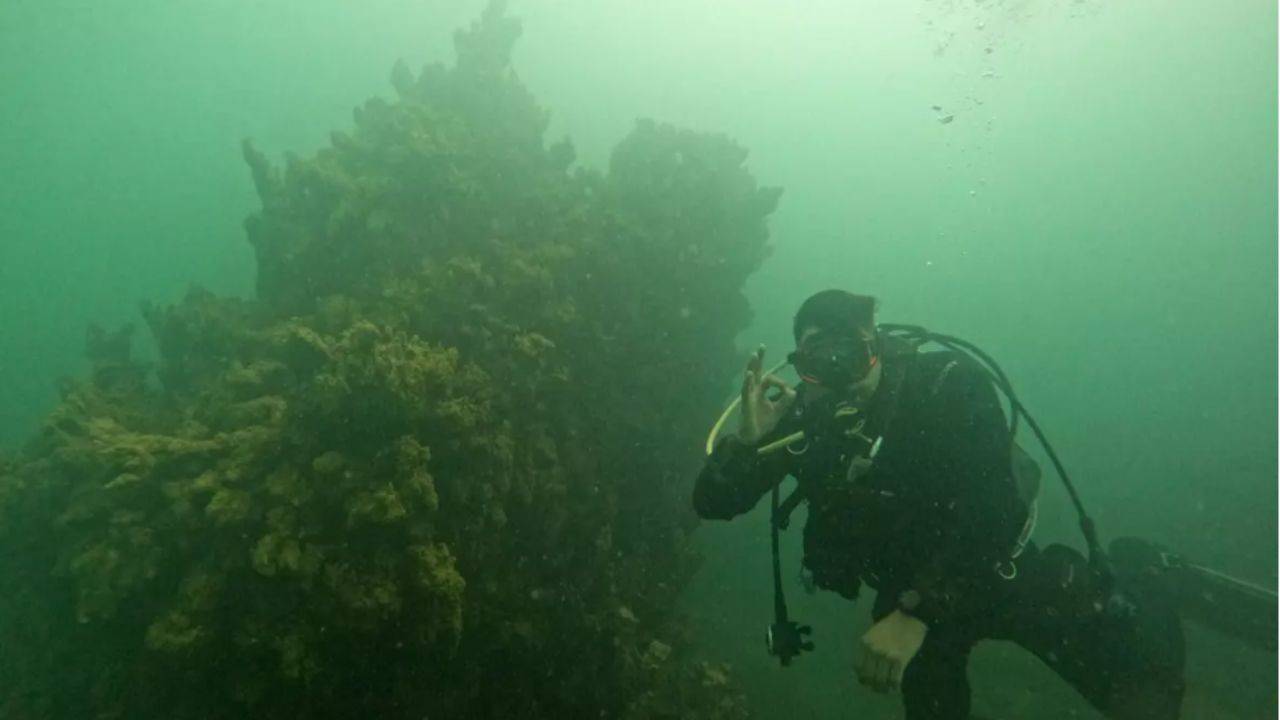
{"x": 931, "y": 362}
{"x": 936, "y": 368}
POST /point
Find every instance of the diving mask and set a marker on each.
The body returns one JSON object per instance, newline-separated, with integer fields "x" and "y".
{"x": 834, "y": 360}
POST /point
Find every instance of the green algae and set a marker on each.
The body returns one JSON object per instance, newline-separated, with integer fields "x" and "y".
{"x": 435, "y": 467}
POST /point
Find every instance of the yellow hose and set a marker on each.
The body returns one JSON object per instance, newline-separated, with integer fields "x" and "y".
{"x": 781, "y": 443}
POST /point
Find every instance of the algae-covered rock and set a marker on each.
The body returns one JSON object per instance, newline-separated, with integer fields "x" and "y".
{"x": 436, "y": 467}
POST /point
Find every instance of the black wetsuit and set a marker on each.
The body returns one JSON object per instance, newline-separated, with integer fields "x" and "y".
{"x": 937, "y": 511}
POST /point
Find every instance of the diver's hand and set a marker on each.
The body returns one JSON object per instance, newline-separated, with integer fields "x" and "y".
{"x": 887, "y": 648}
{"x": 760, "y": 412}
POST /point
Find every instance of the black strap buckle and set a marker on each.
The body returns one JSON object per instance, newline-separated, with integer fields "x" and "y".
{"x": 786, "y": 639}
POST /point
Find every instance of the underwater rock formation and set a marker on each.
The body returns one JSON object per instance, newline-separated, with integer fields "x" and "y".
{"x": 437, "y": 467}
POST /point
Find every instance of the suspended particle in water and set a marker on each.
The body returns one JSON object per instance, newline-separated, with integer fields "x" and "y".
{"x": 973, "y": 193}
{"x": 946, "y": 119}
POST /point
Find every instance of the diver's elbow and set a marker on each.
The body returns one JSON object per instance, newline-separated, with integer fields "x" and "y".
{"x": 706, "y": 507}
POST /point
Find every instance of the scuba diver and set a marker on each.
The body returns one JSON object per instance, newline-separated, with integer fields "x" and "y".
{"x": 916, "y": 488}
